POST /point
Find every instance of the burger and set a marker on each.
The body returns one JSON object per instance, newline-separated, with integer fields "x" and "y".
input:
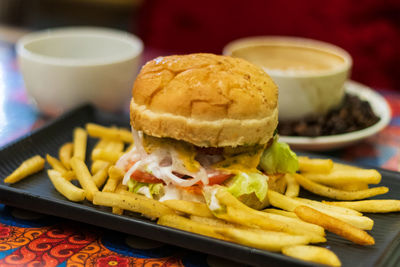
{"x": 201, "y": 120}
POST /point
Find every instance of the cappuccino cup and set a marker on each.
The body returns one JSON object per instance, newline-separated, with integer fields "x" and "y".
{"x": 310, "y": 74}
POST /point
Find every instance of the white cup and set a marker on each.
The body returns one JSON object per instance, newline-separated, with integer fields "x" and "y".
{"x": 66, "y": 67}
{"x": 310, "y": 74}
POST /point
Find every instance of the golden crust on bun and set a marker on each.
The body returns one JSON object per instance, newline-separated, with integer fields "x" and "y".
{"x": 205, "y": 99}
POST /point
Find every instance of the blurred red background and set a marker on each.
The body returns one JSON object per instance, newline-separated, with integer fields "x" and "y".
{"x": 369, "y": 29}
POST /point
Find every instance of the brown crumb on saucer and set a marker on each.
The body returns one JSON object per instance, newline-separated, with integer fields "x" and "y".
{"x": 354, "y": 114}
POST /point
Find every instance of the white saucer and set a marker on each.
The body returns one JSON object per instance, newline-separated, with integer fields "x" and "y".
{"x": 378, "y": 105}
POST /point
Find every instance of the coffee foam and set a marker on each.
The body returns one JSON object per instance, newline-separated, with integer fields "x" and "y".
{"x": 281, "y": 60}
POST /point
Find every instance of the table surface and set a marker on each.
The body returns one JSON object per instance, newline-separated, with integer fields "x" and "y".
{"x": 27, "y": 237}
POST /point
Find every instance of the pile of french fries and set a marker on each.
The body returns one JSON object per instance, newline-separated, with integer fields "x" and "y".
{"x": 288, "y": 226}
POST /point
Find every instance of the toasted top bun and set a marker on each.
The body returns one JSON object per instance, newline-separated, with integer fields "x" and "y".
{"x": 205, "y": 99}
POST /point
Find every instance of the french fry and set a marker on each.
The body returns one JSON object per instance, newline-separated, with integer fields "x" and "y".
{"x": 188, "y": 225}
{"x": 102, "y": 154}
{"x": 189, "y": 207}
{"x": 105, "y": 151}
{"x": 372, "y": 206}
{"x": 333, "y": 193}
{"x": 58, "y": 166}
{"x": 133, "y": 202}
{"x": 84, "y": 177}
{"x": 313, "y": 254}
{"x": 281, "y": 212}
{"x": 334, "y": 225}
{"x": 345, "y": 175}
{"x": 115, "y": 145}
{"x": 237, "y": 212}
{"x": 341, "y": 166}
{"x": 99, "y": 131}
{"x": 322, "y": 205}
{"x": 97, "y": 165}
{"x": 65, "y": 187}
{"x": 55, "y": 164}
{"x": 315, "y": 165}
{"x": 117, "y": 211}
{"x": 120, "y": 188}
{"x": 361, "y": 222}
{"x": 354, "y": 186}
{"x": 102, "y": 144}
{"x": 283, "y": 202}
{"x": 308, "y": 229}
{"x": 272, "y": 241}
{"x": 225, "y": 198}
{"x": 101, "y": 176}
{"x": 28, "y": 167}
{"x": 221, "y": 223}
{"x": 115, "y": 173}
{"x": 65, "y": 154}
{"x": 213, "y": 221}
{"x": 107, "y": 145}
{"x": 293, "y": 187}
{"x": 79, "y": 142}
{"x": 268, "y": 240}
{"x": 352, "y": 217}
{"x": 69, "y": 175}
{"x": 278, "y": 224}
{"x": 115, "y": 176}
{"x": 110, "y": 185}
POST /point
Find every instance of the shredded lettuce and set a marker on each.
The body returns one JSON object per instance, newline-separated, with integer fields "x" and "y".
{"x": 248, "y": 183}
{"x": 154, "y": 189}
{"x": 279, "y": 158}
{"x": 134, "y": 186}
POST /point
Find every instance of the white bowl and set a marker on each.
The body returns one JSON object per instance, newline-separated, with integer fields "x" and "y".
{"x": 310, "y": 74}
{"x": 66, "y": 67}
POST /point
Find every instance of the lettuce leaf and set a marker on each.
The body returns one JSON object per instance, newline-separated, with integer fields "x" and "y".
{"x": 154, "y": 189}
{"x": 134, "y": 186}
{"x": 248, "y": 183}
{"x": 279, "y": 158}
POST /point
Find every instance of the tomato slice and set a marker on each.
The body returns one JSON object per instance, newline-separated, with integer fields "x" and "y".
{"x": 145, "y": 177}
{"x": 196, "y": 189}
{"x": 219, "y": 178}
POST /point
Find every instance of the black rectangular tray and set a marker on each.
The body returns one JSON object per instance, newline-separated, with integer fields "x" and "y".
{"x": 37, "y": 194}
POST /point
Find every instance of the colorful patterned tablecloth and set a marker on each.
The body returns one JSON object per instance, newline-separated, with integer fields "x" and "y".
{"x": 30, "y": 239}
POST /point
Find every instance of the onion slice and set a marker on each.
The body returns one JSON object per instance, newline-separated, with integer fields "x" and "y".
{"x": 162, "y": 163}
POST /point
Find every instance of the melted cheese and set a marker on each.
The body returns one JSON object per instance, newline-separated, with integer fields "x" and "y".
{"x": 186, "y": 152}
{"x": 246, "y": 162}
